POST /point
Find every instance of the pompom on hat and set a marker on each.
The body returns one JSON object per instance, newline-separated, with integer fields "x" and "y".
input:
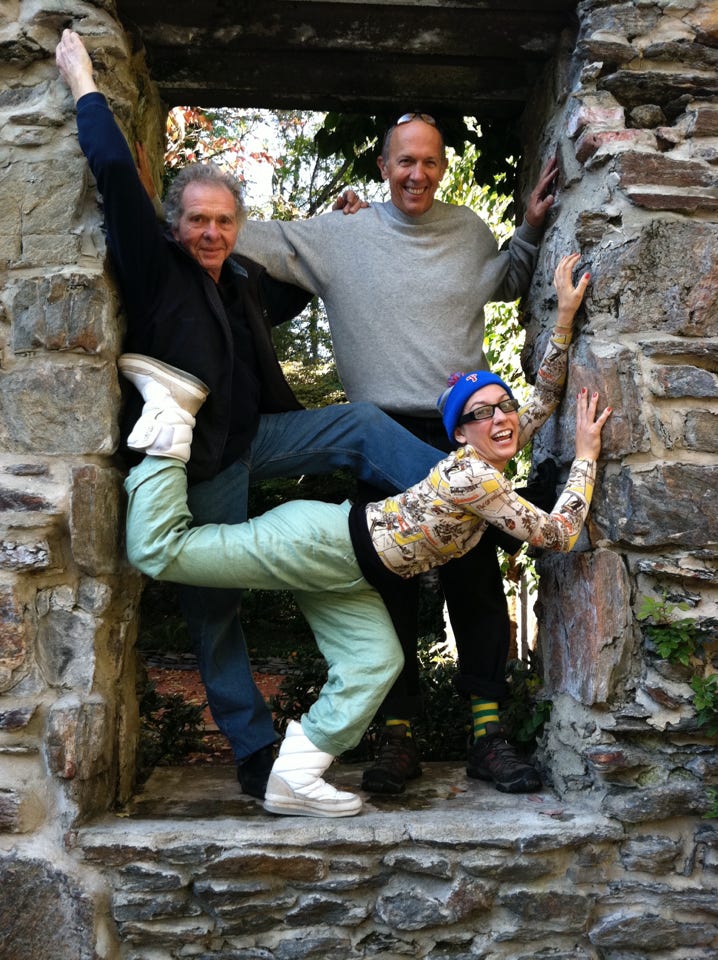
{"x": 462, "y": 386}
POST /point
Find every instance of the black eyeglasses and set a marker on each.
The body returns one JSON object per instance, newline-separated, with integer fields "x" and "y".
{"x": 486, "y": 410}
{"x": 408, "y": 117}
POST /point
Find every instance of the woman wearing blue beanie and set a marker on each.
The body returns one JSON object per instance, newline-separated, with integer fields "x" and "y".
{"x": 333, "y": 556}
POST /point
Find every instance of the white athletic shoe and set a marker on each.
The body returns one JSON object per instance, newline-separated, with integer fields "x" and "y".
{"x": 172, "y": 398}
{"x": 295, "y": 786}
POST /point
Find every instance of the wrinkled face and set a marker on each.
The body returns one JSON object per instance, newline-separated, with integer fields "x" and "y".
{"x": 414, "y": 166}
{"x": 208, "y": 226}
{"x": 495, "y": 440}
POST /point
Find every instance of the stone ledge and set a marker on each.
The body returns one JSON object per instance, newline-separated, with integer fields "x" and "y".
{"x": 443, "y": 807}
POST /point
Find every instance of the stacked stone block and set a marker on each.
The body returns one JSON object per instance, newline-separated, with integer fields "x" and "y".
{"x": 637, "y": 142}
{"x": 68, "y": 599}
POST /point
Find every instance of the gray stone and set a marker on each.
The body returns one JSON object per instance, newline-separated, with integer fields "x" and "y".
{"x": 682, "y": 295}
{"x": 586, "y": 646}
{"x": 649, "y": 931}
{"x": 66, "y": 648}
{"x": 503, "y": 867}
{"x": 554, "y": 910}
{"x": 674, "y": 799}
{"x": 668, "y": 505}
{"x": 28, "y": 555}
{"x": 421, "y": 863}
{"x": 60, "y": 407}
{"x": 67, "y": 923}
{"x": 681, "y": 380}
{"x": 95, "y": 519}
{"x": 650, "y": 854}
{"x": 701, "y": 431}
{"x": 415, "y": 907}
{"x": 17, "y": 718}
{"x": 161, "y": 904}
{"x": 14, "y": 633}
{"x": 318, "y": 910}
{"x": 63, "y": 312}
{"x": 77, "y": 738}
{"x": 314, "y": 948}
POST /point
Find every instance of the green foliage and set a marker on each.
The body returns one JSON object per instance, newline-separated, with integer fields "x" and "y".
{"x": 525, "y": 713}
{"x": 683, "y": 641}
{"x": 162, "y": 629}
{"x": 170, "y": 728}
{"x": 712, "y": 811}
{"x": 675, "y": 640}
{"x": 705, "y": 700}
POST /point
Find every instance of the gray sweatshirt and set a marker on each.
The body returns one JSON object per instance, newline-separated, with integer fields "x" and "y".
{"x": 404, "y": 295}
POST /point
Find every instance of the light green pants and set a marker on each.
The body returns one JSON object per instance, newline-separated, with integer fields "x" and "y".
{"x": 303, "y": 546}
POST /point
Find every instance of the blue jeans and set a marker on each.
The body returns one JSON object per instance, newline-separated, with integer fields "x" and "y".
{"x": 357, "y": 436}
{"x": 302, "y": 546}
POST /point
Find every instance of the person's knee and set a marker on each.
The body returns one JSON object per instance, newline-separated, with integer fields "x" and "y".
{"x": 145, "y": 553}
{"x": 367, "y": 413}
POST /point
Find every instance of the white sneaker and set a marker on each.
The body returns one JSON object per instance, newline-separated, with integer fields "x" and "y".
{"x": 146, "y": 373}
{"x": 295, "y": 786}
{"x": 172, "y": 397}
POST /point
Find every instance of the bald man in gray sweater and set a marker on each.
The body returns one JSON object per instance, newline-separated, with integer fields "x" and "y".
{"x": 405, "y": 283}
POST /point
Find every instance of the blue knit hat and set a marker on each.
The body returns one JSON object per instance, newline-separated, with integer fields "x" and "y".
{"x": 461, "y": 387}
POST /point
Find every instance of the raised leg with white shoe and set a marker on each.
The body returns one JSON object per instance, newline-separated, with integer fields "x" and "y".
{"x": 302, "y": 546}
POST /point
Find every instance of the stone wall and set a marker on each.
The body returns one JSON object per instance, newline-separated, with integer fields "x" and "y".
{"x": 632, "y": 108}
{"x": 68, "y": 599}
{"x": 634, "y": 114}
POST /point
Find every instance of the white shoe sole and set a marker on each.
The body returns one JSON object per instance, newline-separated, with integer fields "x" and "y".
{"x": 189, "y": 391}
{"x": 312, "y": 808}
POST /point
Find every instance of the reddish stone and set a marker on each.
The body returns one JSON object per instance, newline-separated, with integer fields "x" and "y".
{"x": 659, "y": 170}
{"x": 591, "y": 141}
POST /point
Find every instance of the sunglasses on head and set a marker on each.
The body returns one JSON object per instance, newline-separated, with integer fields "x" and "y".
{"x": 408, "y": 117}
{"x": 486, "y": 410}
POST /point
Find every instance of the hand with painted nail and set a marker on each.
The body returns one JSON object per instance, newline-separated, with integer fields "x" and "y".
{"x": 588, "y": 425}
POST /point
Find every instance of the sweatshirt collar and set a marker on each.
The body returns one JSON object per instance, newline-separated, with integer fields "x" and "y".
{"x": 434, "y": 213}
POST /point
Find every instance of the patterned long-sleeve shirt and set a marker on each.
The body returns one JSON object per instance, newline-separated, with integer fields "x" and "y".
{"x": 445, "y": 515}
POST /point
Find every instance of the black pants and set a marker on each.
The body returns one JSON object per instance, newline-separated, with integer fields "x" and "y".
{"x": 474, "y": 594}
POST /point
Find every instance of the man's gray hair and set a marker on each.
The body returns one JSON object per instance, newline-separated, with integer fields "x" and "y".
{"x": 205, "y": 173}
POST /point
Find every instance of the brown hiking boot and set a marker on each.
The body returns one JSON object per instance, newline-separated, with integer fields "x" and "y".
{"x": 398, "y": 761}
{"x": 492, "y": 757}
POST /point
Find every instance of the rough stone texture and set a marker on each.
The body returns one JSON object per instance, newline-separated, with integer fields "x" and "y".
{"x": 44, "y": 913}
{"x": 586, "y": 646}
{"x": 398, "y": 880}
{"x": 626, "y": 873}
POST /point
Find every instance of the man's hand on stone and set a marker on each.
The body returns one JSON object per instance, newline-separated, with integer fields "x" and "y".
{"x": 542, "y": 198}
{"x": 73, "y": 62}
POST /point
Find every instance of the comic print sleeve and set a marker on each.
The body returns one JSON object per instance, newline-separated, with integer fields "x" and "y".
{"x": 548, "y": 389}
{"x": 501, "y": 506}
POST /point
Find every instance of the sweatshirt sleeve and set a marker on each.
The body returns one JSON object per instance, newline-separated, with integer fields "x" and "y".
{"x": 134, "y": 234}
{"x": 289, "y": 250}
{"x": 522, "y": 253}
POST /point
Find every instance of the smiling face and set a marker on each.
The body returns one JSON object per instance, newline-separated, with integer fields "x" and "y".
{"x": 414, "y": 166}
{"x": 208, "y": 225}
{"x": 496, "y": 439}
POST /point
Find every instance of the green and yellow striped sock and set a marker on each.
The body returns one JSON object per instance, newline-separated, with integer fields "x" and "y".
{"x": 483, "y": 712}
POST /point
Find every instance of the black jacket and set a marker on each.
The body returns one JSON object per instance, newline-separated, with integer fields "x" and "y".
{"x": 173, "y": 308}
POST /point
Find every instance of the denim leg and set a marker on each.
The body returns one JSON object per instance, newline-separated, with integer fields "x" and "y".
{"x": 213, "y": 620}
{"x": 357, "y": 436}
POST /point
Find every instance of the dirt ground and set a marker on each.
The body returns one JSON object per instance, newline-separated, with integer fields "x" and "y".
{"x": 187, "y": 683}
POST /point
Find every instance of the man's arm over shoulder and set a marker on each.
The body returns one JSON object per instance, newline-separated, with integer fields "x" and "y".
{"x": 296, "y": 251}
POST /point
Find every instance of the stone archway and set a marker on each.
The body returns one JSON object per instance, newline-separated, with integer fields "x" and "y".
{"x": 633, "y": 107}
